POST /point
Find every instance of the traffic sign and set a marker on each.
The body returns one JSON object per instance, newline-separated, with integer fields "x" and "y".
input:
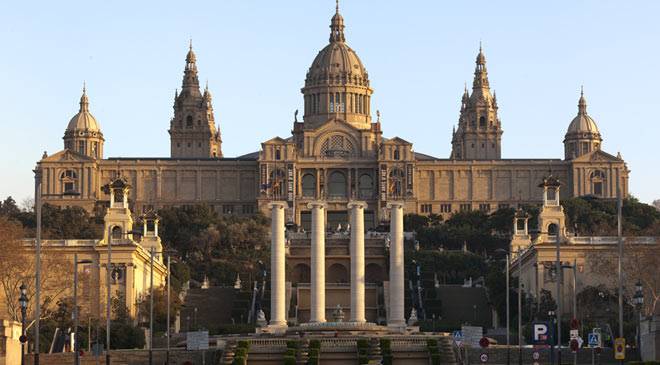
{"x": 483, "y": 357}
{"x": 458, "y": 338}
{"x": 484, "y": 342}
{"x": 536, "y": 355}
{"x": 620, "y": 348}
{"x": 23, "y": 338}
{"x": 541, "y": 333}
{"x": 594, "y": 339}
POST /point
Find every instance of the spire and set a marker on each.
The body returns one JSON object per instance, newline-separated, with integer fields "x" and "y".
{"x": 582, "y": 103}
{"x": 84, "y": 101}
{"x": 480, "y": 72}
{"x": 337, "y": 26}
{"x": 190, "y": 81}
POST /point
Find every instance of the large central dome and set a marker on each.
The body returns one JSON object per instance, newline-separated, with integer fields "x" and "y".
{"x": 337, "y": 83}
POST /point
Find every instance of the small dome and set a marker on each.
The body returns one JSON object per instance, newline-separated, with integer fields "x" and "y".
{"x": 583, "y": 124}
{"x": 84, "y": 120}
{"x": 337, "y": 61}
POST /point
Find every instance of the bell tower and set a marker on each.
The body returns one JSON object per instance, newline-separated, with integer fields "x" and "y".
{"x": 479, "y": 132}
{"x": 193, "y": 133}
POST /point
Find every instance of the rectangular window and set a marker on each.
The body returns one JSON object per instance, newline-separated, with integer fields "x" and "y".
{"x": 466, "y": 207}
{"x": 248, "y": 209}
{"x": 227, "y": 209}
{"x": 68, "y": 186}
{"x": 332, "y": 103}
{"x": 427, "y": 208}
{"x": 484, "y": 207}
{"x": 503, "y": 206}
{"x": 445, "y": 208}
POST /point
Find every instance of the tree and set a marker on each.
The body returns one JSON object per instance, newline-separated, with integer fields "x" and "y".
{"x": 598, "y": 217}
{"x": 656, "y": 204}
{"x": 17, "y": 266}
{"x": 160, "y": 308}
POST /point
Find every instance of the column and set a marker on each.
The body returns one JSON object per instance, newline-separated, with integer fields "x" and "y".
{"x": 317, "y": 302}
{"x": 357, "y": 260}
{"x": 277, "y": 265}
{"x": 396, "y": 317}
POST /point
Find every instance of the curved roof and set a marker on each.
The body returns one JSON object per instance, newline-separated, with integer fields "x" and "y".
{"x": 583, "y": 124}
{"x": 83, "y": 120}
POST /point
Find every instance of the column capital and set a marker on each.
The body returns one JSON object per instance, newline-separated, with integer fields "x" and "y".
{"x": 316, "y": 204}
{"x": 357, "y": 204}
{"x": 395, "y": 204}
{"x": 277, "y": 204}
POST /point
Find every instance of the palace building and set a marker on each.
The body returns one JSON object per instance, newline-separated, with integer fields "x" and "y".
{"x": 336, "y": 153}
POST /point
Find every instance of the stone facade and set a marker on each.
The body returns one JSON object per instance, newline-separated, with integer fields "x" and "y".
{"x": 336, "y": 153}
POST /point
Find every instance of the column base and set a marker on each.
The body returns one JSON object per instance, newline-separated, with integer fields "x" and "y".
{"x": 277, "y": 329}
{"x": 397, "y": 326}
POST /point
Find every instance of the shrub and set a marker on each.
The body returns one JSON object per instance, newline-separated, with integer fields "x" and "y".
{"x": 435, "y": 359}
{"x": 313, "y": 361}
{"x": 431, "y": 342}
{"x": 362, "y": 343}
{"x": 388, "y": 359}
{"x": 386, "y": 345}
{"x": 313, "y": 353}
{"x": 239, "y": 360}
{"x": 291, "y": 344}
{"x": 241, "y": 352}
{"x": 314, "y": 344}
{"x": 244, "y": 344}
{"x": 289, "y": 360}
{"x": 290, "y": 352}
{"x": 363, "y": 359}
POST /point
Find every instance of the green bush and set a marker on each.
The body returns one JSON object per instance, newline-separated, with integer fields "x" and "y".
{"x": 388, "y": 359}
{"x": 289, "y": 360}
{"x": 433, "y": 350}
{"x": 362, "y": 343}
{"x": 435, "y": 359}
{"x": 431, "y": 342}
{"x": 241, "y": 351}
{"x": 313, "y": 353}
{"x": 291, "y": 344}
{"x": 239, "y": 360}
{"x": 314, "y": 344}
{"x": 244, "y": 344}
{"x": 363, "y": 360}
{"x": 313, "y": 361}
{"x": 385, "y": 345}
{"x": 290, "y": 352}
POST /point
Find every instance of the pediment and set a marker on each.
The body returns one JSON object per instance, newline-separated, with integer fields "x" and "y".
{"x": 67, "y": 155}
{"x": 396, "y": 141}
{"x": 597, "y": 156}
{"x": 335, "y": 125}
{"x": 276, "y": 140}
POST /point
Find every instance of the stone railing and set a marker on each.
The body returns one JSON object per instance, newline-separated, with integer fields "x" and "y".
{"x": 612, "y": 240}
{"x": 63, "y": 243}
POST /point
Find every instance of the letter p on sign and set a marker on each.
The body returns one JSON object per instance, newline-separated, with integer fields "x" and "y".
{"x": 540, "y": 332}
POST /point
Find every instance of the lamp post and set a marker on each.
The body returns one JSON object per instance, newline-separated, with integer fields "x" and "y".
{"x": 37, "y": 275}
{"x": 638, "y": 301}
{"x": 508, "y": 311}
{"x": 76, "y": 356}
{"x": 23, "y": 301}
{"x": 520, "y": 360}
{"x": 552, "y": 316}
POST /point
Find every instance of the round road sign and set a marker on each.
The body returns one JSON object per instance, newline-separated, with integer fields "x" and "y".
{"x": 536, "y": 355}
{"x": 483, "y": 357}
{"x": 484, "y": 342}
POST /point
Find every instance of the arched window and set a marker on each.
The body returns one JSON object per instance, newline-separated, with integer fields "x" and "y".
{"x": 82, "y": 147}
{"x": 374, "y": 273}
{"x": 337, "y": 184}
{"x": 553, "y": 229}
{"x": 301, "y": 274}
{"x": 482, "y": 122}
{"x": 309, "y": 185}
{"x": 116, "y": 233}
{"x": 277, "y": 183}
{"x": 395, "y": 187}
{"x": 366, "y": 186}
{"x": 397, "y": 154}
{"x": 332, "y": 103}
{"x": 189, "y": 121}
{"x": 336, "y": 146}
{"x": 337, "y": 273}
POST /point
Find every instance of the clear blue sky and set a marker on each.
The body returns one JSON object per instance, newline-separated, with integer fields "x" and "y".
{"x": 255, "y": 55}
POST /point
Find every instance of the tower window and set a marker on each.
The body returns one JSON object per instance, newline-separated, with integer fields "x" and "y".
{"x": 309, "y": 185}
{"x": 278, "y": 154}
{"x": 199, "y": 144}
{"x": 189, "y": 145}
{"x": 332, "y": 103}
{"x": 482, "y": 122}
{"x": 82, "y": 147}
{"x": 189, "y": 121}
{"x": 397, "y": 155}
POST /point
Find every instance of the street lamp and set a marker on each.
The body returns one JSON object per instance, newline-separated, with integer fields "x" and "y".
{"x": 76, "y": 356}
{"x": 638, "y": 301}
{"x": 23, "y": 301}
{"x": 508, "y": 321}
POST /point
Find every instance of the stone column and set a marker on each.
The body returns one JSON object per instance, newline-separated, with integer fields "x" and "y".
{"x": 317, "y": 302}
{"x": 277, "y": 265}
{"x": 396, "y": 315}
{"x": 357, "y": 260}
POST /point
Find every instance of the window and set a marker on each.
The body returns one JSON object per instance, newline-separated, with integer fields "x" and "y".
{"x": 116, "y": 233}
{"x": 520, "y": 225}
{"x": 484, "y": 207}
{"x": 277, "y": 183}
{"x": 466, "y": 207}
{"x": 585, "y": 147}
{"x": 278, "y": 154}
{"x": 337, "y": 184}
{"x": 597, "y": 182}
{"x": 248, "y": 209}
{"x": 552, "y": 229}
{"x": 445, "y": 208}
{"x": 227, "y": 209}
{"x": 69, "y": 181}
{"x": 95, "y": 152}
{"x": 366, "y": 187}
{"x": 397, "y": 155}
{"x": 427, "y": 208}
{"x": 309, "y": 185}
{"x": 178, "y": 144}
{"x": 189, "y": 121}
{"x": 503, "y": 206}
{"x": 82, "y": 147}
{"x": 482, "y": 122}
{"x": 189, "y": 145}
{"x": 332, "y": 103}
{"x": 199, "y": 144}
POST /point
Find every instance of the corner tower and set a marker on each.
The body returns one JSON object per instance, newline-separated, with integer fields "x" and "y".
{"x": 83, "y": 133}
{"x": 193, "y": 133}
{"x": 337, "y": 84}
{"x": 479, "y": 132}
{"x": 582, "y": 135}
